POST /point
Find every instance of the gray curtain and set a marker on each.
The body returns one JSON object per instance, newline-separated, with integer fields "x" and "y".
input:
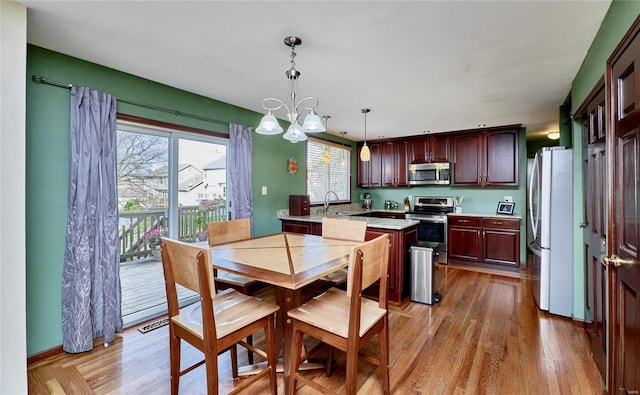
{"x": 240, "y": 170}
{"x": 91, "y": 294}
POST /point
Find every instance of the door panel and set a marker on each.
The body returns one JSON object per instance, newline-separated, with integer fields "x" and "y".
{"x": 624, "y": 137}
{"x": 594, "y": 157}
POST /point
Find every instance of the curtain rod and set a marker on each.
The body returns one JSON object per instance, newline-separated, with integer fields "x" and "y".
{"x": 41, "y": 80}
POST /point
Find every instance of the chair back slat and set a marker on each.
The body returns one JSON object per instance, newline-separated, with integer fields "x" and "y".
{"x": 229, "y": 231}
{"x": 334, "y": 228}
{"x": 182, "y": 262}
{"x": 375, "y": 263}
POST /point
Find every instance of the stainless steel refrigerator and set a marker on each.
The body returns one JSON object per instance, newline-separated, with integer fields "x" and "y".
{"x": 550, "y": 222}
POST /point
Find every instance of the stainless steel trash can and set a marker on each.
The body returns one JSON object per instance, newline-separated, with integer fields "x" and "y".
{"x": 424, "y": 276}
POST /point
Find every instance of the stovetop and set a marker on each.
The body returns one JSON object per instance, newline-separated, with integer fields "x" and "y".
{"x": 432, "y": 205}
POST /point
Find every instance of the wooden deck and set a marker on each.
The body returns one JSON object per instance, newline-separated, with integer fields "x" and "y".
{"x": 143, "y": 293}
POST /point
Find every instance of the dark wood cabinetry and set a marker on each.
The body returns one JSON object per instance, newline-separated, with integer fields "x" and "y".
{"x": 399, "y": 261}
{"x": 430, "y": 148}
{"x": 484, "y": 241}
{"x": 480, "y": 158}
{"x": 501, "y": 241}
{"x": 307, "y": 228}
{"x": 486, "y": 158}
{"x": 395, "y": 163}
{"x": 370, "y": 172}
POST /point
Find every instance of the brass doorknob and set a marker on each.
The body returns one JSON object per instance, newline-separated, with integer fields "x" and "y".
{"x": 583, "y": 225}
{"x": 616, "y": 261}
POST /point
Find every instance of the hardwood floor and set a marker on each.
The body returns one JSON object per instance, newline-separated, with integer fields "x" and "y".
{"x": 485, "y": 337}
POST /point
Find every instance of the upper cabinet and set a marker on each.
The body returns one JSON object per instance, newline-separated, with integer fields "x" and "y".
{"x": 486, "y": 158}
{"x": 482, "y": 158}
{"x": 369, "y": 173}
{"x": 433, "y": 148}
{"x": 395, "y": 163}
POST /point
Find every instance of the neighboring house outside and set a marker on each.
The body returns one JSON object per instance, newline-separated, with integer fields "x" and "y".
{"x": 215, "y": 175}
{"x": 191, "y": 186}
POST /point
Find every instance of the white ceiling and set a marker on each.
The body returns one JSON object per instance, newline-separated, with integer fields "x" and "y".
{"x": 419, "y": 65}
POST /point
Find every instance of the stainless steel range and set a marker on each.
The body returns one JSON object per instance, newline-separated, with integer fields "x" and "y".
{"x": 432, "y": 212}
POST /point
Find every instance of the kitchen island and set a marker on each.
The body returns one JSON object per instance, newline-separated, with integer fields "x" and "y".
{"x": 402, "y": 234}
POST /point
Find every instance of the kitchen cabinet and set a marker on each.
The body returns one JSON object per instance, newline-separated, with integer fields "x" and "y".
{"x": 370, "y": 172}
{"x": 501, "y": 241}
{"x": 426, "y": 149}
{"x": 399, "y": 260}
{"x": 464, "y": 238}
{"x": 395, "y": 163}
{"x": 487, "y": 158}
{"x": 307, "y": 228}
{"x": 492, "y": 242}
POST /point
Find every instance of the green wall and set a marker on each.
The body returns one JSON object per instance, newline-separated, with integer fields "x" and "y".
{"x": 47, "y": 168}
{"x": 618, "y": 20}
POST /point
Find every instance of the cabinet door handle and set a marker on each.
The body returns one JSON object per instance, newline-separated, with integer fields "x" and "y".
{"x": 498, "y": 223}
{"x": 484, "y": 233}
{"x": 464, "y": 221}
{"x": 478, "y": 233}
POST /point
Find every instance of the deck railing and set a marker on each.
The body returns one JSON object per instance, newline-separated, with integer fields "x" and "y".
{"x": 135, "y": 224}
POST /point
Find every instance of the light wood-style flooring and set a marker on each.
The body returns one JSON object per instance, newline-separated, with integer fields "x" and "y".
{"x": 485, "y": 337}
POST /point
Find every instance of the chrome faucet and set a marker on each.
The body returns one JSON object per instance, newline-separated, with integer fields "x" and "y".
{"x": 326, "y": 201}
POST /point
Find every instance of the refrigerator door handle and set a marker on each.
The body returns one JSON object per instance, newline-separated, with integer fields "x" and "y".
{"x": 534, "y": 169}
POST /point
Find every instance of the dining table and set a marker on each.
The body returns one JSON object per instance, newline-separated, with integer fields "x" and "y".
{"x": 289, "y": 262}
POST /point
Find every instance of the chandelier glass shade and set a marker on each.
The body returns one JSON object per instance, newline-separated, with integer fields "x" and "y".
{"x": 293, "y": 105}
{"x": 365, "y": 153}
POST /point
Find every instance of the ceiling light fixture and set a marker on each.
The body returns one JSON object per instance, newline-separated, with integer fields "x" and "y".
{"x": 312, "y": 124}
{"x": 342, "y": 162}
{"x": 553, "y": 135}
{"x": 365, "y": 153}
{"x": 326, "y": 155}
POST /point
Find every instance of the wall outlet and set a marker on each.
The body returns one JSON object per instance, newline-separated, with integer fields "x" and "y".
{"x": 410, "y": 197}
{"x": 508, "y": 198}
{"x": 264, "y": 190}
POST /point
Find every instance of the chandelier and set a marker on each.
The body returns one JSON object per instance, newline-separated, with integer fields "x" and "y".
{"x": 296, "y": 132}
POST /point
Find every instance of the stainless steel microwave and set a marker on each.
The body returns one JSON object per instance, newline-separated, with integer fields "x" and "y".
{"x": 429, "y": 174}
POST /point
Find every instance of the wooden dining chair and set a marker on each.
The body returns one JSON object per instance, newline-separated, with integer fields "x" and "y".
{"x": 215, "y": 324}
{"x": 345, "y": 320}
{"x": 334, "y": 228}
{"x": 228, "y": 232}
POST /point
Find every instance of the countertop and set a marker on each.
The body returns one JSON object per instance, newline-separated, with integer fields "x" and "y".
{"x": 489, "y": 215}
{"x": 349, "y": 212}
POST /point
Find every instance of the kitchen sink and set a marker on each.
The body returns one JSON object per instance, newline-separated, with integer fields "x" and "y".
{"x": 339, "y": 214}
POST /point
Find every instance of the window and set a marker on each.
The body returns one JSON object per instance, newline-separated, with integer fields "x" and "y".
{"x": 334, "y": 176}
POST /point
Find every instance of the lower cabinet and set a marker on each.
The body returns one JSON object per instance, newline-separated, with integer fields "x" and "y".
{"x": 485, "y": 241}
{"x": 307, "y": 228}
{"x": 399, "y": 254}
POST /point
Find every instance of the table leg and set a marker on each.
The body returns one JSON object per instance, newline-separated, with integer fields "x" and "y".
{"x": 287, "y": 299}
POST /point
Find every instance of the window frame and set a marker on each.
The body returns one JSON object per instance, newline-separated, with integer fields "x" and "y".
{"x": 322, "y": 143}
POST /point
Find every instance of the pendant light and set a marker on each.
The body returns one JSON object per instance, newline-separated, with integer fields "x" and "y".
{"x": 365, "y": 153}
{"x": 343, "y": 162}
{"x": 326, "y": 155}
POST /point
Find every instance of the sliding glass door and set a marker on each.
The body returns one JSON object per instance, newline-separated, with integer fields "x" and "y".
{"x": 170, "y": 184}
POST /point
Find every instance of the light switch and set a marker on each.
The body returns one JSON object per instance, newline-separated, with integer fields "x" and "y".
{"x": 264, "y": 190}
{"x": 508, "y": 198}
